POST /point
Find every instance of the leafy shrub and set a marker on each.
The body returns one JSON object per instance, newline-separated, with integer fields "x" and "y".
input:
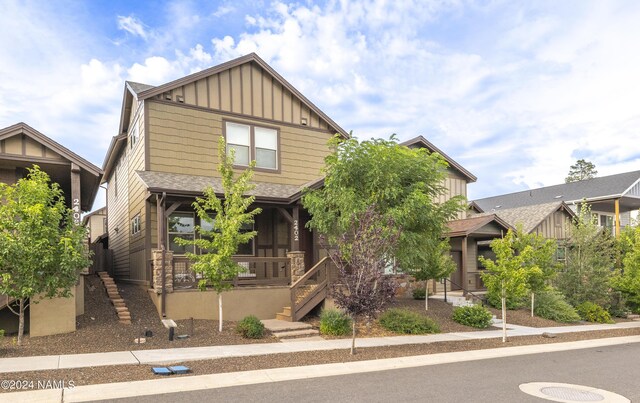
{"x": 407, "y": 322}
{"x": 334, "y": 322}
{"x": 593, "y": 313}
{"x": 250, "y": 327}
{"x": 419, "y": 293}
{"x": 1, "y": 332}
{"x": 553, "y": 305}
{"x": 474, "y": 316}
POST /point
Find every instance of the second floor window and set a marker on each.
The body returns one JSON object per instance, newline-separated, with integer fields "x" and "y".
{"x": 253, "y": 143}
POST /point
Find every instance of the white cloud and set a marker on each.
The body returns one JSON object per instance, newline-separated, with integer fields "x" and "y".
{"x": 132, "y": 25}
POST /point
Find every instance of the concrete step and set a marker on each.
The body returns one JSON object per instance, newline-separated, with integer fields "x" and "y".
{"x": 296, "y": 333}
{"x": 283, "y": 317}
{"x": 286, "y": 311}
{"x": 275, "y": 325}
{"x": 125, "y": 321}
{"x": 121, "y": 309}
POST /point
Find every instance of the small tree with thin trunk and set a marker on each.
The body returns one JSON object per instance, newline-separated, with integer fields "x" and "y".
{"x": 508, "y": 274}
{"x": 361, "y": 255}
{"x": 42, "y": 251}
{"x": 226, "y": 218}
{"x": 440, "y": 266}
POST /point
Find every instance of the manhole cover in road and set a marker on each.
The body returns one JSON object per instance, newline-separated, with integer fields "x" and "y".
{"x": 575, "y": 395}
{"x": 563, "y": 392}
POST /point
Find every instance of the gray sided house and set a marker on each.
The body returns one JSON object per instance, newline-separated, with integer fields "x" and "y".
{"x": 612, "y": 198}
{"x": 21, "y": 147}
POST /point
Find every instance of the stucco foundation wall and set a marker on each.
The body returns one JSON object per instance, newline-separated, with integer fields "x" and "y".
{"x": 53, "y": 316}
{"x": 80, "y": 296}
{"x": 236, "y": 304}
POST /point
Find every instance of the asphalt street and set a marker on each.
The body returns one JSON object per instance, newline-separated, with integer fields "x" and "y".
{"x": 611, "y": 368}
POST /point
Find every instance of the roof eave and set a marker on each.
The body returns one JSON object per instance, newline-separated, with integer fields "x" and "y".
{"x": 233, "y": 63}
{"x": 421, "y": 140}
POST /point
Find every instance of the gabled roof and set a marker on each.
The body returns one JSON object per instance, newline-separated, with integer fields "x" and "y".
{"x": 467, "y": 226}
{"x": 23, "y": 128}
{"x": 139, "y": 92}
{"x": 473, "y": 206}
{"x": 421, "y": 141}
{"x": 192, "y": 185}
{"x": 100, "y": 211}
{"x": 602, "y": 188}
{"x": 251, "y": 57}
{"x": 529, "y": 216}
{"x": 137, "y": 88}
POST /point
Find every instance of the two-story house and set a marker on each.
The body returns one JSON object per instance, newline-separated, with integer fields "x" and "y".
{"x": 21, "y": 147}
{"x": 166, "y": 154}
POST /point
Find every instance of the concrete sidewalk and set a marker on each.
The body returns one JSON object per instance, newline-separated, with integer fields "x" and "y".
{"x": 212, "y": 381}
{"x": 176, "y": 355}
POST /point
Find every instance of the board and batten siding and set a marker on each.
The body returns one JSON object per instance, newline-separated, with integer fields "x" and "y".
{"x": 555, "y": 226}
{"x": 455, "y": 185}
{"x": 184, "y": 140}
{"x": 246, "y": 90}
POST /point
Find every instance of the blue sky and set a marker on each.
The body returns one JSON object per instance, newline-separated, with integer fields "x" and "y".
{"x": 514, "y": 91}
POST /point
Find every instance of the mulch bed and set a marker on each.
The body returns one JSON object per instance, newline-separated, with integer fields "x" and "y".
{"x": 98, "y": 329}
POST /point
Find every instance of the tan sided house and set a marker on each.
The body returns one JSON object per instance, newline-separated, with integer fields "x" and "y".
{"x": 166, "y": 154}
{"x": 21, "y": 146}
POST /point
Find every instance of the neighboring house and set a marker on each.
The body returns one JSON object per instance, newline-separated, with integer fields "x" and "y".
{"x": 166, "y": 154}
{"x": 457, "y": 176}
{"x": 470, "y": 238}
{"x": 96, "y": 223}
{"x": 21, "y": 147}
{"x": 612, "y": 198}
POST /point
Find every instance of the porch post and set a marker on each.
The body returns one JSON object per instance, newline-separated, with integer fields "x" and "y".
{"x": 295, "y": 230}
{"x": 75, "y": 193}
{"x": 463, "y": 263}
{"x": 297, "y": 265}
{"x": 616, "y": 205}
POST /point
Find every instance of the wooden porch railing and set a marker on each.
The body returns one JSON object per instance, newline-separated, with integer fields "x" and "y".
{"x": 259, "y": 271}
{"x": 309, "y": 290}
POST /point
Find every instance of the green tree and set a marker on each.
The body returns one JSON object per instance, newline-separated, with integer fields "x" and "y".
{"x": 507, "y": 276}
{"x": 627, "y": 280}
{"x": 581, "y": 170}
{"x": 226, "y": 218}
{"x": 542, "y": 265}
{"x": 41, "y": 250}
{"x": 589, "y": 262}
{"x": 403, "y": 184}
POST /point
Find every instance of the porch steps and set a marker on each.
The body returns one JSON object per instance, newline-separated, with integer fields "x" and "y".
{"x": 124, "y": 315}
{"x": 289, "y": 331}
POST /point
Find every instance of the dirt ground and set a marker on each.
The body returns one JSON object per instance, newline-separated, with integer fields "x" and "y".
{"x": 99, "y": 331}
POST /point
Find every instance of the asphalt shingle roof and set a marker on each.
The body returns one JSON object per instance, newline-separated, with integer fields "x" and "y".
{"x": 193, "y": 184}
{"x": 528, "y": 216}
{"x": 612, "y": 185}
{"x": 469, "y": 225}
{"x": 139, "y": 87}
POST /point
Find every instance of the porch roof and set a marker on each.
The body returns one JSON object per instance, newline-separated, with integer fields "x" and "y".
{"x": 530, "y": 216}
{"x": 468, "y": 226}
{"x": 180, "y": 184}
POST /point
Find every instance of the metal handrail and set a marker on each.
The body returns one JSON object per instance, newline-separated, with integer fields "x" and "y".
{"x": 462, "y": 288}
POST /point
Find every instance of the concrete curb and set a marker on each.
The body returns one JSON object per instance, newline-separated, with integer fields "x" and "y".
{"x": 212, "y": 381}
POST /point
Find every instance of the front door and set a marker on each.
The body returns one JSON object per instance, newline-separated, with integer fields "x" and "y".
{"x": 456, "y": 276}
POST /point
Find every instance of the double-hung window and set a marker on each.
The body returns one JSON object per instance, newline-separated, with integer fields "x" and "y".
{"x": 252, "y": 142}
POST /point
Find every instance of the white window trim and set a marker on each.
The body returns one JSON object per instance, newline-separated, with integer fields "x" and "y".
{"x": 252, "y": 144}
